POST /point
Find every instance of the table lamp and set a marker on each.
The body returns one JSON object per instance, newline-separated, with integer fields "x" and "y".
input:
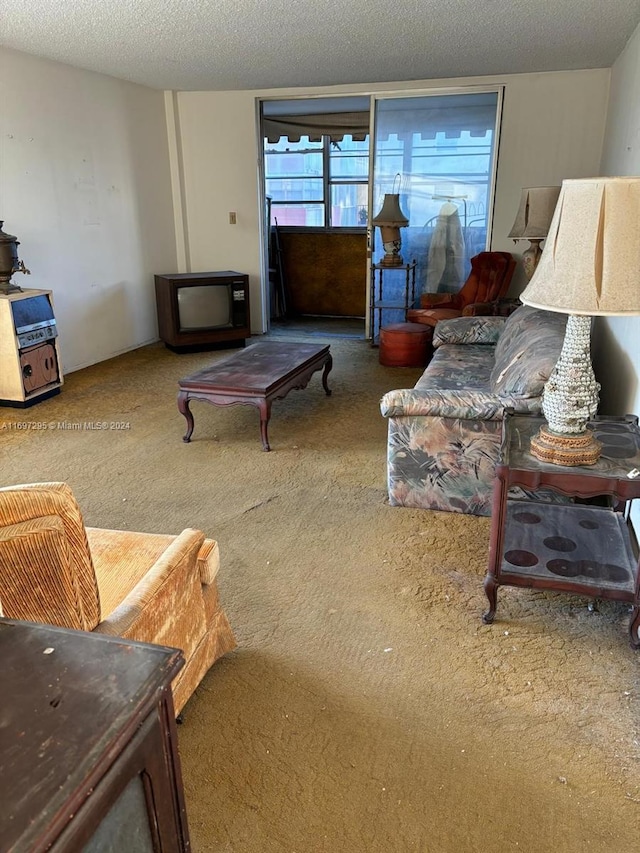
{"x": 532, "y": 222}
{"x": 590, "y": 267}
{"x": 390, "y": 220}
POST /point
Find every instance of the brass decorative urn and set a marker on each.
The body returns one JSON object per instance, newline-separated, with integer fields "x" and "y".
{"x": 9, "y": 262}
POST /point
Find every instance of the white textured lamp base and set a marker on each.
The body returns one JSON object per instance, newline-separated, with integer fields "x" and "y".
{"x": 569, "y": 402}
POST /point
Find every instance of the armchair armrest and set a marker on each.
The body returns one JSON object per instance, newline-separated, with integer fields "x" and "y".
{"x": 479, "y": 309}
{"x": 498, "y": 308}
{"x": 440, "y": 300}
{"x": 155, "y": 608}
{"x": 208, "y": 561}
{"x": 468, "y": 330}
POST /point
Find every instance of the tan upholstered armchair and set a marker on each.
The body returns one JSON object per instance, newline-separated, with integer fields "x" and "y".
{"x": 141, "y": 586}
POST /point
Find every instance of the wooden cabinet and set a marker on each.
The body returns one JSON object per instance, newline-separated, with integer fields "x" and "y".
{"x": 88, "y": 745}
{"x": 325, "y": 272}
{"x": 30, "y": 368}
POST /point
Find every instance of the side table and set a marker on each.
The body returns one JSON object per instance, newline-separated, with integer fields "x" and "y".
{"x": 386, "y": 296}
{"x": 583, "y": 548}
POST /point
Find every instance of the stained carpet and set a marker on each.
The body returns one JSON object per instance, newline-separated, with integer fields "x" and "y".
{"x": 367, "y": 709}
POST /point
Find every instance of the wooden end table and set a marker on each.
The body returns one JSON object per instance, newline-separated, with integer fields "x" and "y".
{"x": 570, "y": 547}
{"x": 256, "y": 376}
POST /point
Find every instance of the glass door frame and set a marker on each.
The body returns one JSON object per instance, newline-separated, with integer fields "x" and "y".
{"x": 497, "y": 89}
{"x": 374, "y": 98}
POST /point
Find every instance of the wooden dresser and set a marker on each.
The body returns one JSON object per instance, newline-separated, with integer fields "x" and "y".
{"x": 88, "y": 745}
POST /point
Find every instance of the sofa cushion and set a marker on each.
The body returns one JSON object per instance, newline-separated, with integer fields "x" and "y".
{"x": 464, "y": 367}
{"x": 527, "y": 332}
{"x": 469, "y": 330}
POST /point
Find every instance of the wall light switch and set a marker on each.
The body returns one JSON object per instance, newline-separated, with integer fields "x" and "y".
{"x": 232, "y": 217}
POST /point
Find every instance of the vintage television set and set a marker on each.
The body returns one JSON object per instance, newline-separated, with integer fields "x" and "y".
{"x": 198, "y": 310}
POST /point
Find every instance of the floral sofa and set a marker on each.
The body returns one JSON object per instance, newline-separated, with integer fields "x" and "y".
{"x": 444, "y": 434}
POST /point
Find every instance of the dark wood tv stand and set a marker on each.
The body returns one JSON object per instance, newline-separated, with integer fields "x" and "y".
{"x": 180, "y": 339}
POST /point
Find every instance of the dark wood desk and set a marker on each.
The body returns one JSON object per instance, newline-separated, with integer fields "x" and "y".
{"x": 583, "y": 547}
{"x": 256, "y": 376}
{"x": 88, "y": 744}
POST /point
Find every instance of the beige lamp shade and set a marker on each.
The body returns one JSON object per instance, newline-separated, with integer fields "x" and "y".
{"x": 534, "y": 213}
{"x": 390, "y": 213}
{"x": 591, "y": 263}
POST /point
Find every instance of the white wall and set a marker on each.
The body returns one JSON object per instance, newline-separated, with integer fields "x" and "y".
{"x": 86, "y": 174}
{"x": 85, "y": 186}
{"x": 553, "y": 127}
{"x": 616, "y": 341}
{"x": 219, "y": 145}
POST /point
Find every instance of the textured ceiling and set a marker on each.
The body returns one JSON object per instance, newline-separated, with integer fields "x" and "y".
{"x": 260, "y": 44}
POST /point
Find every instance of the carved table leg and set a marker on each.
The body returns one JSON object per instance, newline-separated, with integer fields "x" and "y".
{"x": 325, "y": 373}
{"x": 183, "y": 408}
{"x": 491, "y": 591}
{"x": 634, "y": 627}
{"x": 265, "y": 414}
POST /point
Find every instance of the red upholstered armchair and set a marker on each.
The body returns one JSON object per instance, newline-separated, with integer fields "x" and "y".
{"x": 489, "y": 280}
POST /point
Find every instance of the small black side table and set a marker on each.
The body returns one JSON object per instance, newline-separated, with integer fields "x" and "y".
{"x": 584, "y": 548}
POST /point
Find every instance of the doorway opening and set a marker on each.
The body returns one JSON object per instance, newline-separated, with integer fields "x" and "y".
{"x": 315, "y": 184}
{"x": 328, "y": 166}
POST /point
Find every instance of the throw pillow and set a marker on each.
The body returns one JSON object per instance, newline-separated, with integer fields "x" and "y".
{"x": 468, "y": 330}
{"x": 527, "y": 351}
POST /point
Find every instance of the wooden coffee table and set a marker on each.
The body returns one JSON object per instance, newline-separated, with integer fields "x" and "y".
{"x": 256, "y": 376}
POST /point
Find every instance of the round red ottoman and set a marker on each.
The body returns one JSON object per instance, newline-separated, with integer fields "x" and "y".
{"x": 405, "y": 344}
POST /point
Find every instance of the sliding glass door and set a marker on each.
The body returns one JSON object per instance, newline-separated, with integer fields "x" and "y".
{"x": 438, "y": 152}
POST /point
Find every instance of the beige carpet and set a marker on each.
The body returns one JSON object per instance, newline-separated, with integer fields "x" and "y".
{"x": 367, "y": 709}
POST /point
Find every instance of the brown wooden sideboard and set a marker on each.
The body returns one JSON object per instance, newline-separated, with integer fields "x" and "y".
{"x": 88, "y": 745}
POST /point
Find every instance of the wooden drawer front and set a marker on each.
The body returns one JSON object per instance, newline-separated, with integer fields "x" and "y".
{"x": 39, "y": 366}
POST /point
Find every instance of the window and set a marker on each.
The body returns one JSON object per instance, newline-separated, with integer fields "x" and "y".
{"x": 317, "y": 184}
{"x": 437, "y": 170}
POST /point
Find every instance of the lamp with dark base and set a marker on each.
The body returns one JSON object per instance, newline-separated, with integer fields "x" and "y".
{"x": 591, "y": 267}
{"x": 389, "y": 221}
